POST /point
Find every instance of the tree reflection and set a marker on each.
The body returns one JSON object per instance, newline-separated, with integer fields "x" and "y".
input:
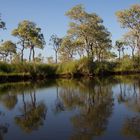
{"x": 9, "y": 100}
{"x": 58, "y": 106}
{"x": 3, "y": 130}
{"x": 132, "y": 127}
{"x": 33, "y": 113}
{"x": 94, "y": 103}
{"x": 3, "y": 127}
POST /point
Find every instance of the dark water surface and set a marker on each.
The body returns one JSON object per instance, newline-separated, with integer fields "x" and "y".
{"x": 79, "y": 109}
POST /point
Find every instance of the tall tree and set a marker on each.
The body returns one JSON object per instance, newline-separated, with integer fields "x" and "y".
{"x": 130, "y": 19}
{"x": 30, "y": 36}
{"x": 89, "y": 28}
{"x": 21, "y": 33}
{"x": 55, "y": 41}
{"x": 35, "y": 39}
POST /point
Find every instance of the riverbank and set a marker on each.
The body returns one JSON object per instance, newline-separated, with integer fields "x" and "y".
{"x": 73, "y": 69}
{"x": 13, "y": 77}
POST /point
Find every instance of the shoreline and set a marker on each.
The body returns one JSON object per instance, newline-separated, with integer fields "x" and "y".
{"x": 10, "y": 77}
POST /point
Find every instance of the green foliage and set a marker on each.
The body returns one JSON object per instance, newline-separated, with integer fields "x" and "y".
{"x": 127, "y": 64}
{"x": 103, "y": 68}
{"x": 129, "y": 18}
{"x": 88, "y": 28}
{"x": 33, "y": 118}
{"x": 6, "y": 68}
{"x": 30, "y": 36}
{"x": 67, "y": 68}
{"x": 2, "y": 23}
{"x": 8, "y": 47}
{"x": 85, "y": 65}
{"x": 43, "y": 70}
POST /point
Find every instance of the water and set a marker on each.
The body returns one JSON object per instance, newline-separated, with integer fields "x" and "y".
{"x": 84, "y": 109}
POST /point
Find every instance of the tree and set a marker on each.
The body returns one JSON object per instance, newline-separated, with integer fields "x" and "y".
{"x": 119, "y": 45}
{"x": 2, "y": 23}
{"x": 130, "y": 19}
{"x": 55, "y": 41}
{"x": 30, "y": 36}
{"x": 35, "y": 39}
{"x": 50, "y": 60}
{"x": 39, "y": 58}
{"x": 67, "y": 49}
{"x": 8, "y": 48}
{"x": 89, "y": 29}
{"x": 21, "y": 33}
{"x": 131, "y": 40}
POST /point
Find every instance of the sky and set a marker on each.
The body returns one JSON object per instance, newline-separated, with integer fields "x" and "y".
{"x": 49, "y": 15}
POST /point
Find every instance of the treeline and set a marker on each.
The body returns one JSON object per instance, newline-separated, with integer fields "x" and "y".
{"x": 87, "y": 40}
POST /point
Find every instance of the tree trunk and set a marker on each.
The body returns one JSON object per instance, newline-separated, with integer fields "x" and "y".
{"x": 55, "y": 56}
{"x": 133, "y": 53}
{"x": 22, "y": 50}
{"x": 30, "y": 54}
{"x": 123, "y": 51}
{"x": 25, "y": 108}
{"x": 119, "y": 55}
{"x": 10, "y": 57}
{"x": 33, "y": 53}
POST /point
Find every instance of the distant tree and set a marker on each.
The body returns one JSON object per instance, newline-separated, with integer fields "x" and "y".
{"x": 39, "y": 58}
{"x": 55, "y": 41}
{"x": 16, "y": 58}
{"x": 131, "y": 41}
{"x": 8, "y": 48}
{"x": 119, "y": 45}
{"x": 2, "y": 23}
{"x": 50, "y": 60}
{"x": 67, "y": 49}
{"x": 109, "y": 55}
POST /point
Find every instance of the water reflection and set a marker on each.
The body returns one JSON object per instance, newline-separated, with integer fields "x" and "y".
{"x": 130, "y": 97}
{"x": 33, "y": 113}
{"x": 94, "y": 102}
{"x": 3, "y": 127}
{"x": 90, "y": 108}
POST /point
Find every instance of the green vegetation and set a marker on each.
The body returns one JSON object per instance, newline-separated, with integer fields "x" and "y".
{"x": 86, "y": 49}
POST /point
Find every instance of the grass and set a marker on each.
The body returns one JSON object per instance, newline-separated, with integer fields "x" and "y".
{"x": 84, "y": 66}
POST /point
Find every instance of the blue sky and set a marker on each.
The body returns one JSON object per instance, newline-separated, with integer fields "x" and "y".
{"x": 50, "y": 16}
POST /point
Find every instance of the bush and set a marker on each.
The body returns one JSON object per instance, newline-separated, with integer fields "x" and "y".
{"x": 67, "y": 68}
{"x": 85, "y": 66}
{"x": 125, "y": 64}
{"x": 6, "y": 68}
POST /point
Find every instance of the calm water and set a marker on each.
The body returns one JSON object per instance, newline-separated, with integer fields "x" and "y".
{"x": 97, "y": 109}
